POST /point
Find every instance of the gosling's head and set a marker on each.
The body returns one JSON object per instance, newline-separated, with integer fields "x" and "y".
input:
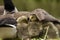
{"x": 33, "y": 18}
{"x": 22, "y": 19}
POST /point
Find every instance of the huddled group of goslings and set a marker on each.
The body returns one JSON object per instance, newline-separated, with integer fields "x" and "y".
{"x": 9, "y": 15}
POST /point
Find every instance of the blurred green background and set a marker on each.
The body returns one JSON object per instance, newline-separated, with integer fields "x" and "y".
{"x": 51, "y": 6}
